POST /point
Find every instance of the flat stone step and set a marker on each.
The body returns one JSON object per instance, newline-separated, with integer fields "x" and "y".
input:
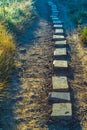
{"x": 55, "y": 97}
{"x": 55, "y": 18}
{"x": 50, "y": 3}
{"x": 57, "y": 21}
{"x": 63, "y": 42}
{"x": 58, "y": 37}
{"x": 55, "y": 11}
{"x": 60, "y": 51}
{"x": 59, "y": 31}
{"x": 54, "y": 6}
{"x": 62, "y": 111}
{"x": 58, "y": 26}
{"x": 60, "y": 83}
{"x": 55, "y": 14}
{"x": 60, "y": 64}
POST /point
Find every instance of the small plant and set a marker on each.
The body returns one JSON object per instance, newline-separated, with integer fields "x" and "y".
{"x": 83, "y": 36}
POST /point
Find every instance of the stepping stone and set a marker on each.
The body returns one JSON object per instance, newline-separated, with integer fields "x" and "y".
{"x": 60, "y": 51}
{"x": 60, "y": 64}
{"x": 61, "y": 111}
{"x": 59, "y": 97}
{"x": 57, "y": 25}
{"x": 55, "y": 18}
{"x": 59, "y": 31}
{"x": 54, "y": 6}
{"x": 57, "y": 22}
{"x": 22, "y": 50}
{"x": 55, "y": 37}
{"x": 60, "y": 83}
{"x": 54, "y": 9}
{"x": 63, "y": 42}
{"x": 50, "y": 3}
{"x": 55, "y": 14}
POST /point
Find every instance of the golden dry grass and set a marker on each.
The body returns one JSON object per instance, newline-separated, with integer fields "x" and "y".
{"x": 7, "y": 53}
{"x": 79, "y": 83}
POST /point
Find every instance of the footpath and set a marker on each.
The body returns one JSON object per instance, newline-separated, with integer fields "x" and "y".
{"x": 60, "y": 96}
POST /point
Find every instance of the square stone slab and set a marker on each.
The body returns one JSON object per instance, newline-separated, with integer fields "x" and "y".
{"x": 58, "y": 37}
{"x": 61, "y": 110}
{"x": 57, "y": 21}
{"x": 55, "y": 18}
{"x": 59, "y": 31}
{"x": 60, "y": 51}
{"x": 58, "y": 26}
{"x": 55, "y": 97}
{"x": 50, "y": 3}
{"x": 54, "y": 6}
{"x": 63, "y": 42}
{"x": 60, "y": 83}
{"x": 60, "y": 64}
{"x": 55, "y": 10}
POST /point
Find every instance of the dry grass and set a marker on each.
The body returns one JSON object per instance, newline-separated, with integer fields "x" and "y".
{"x": 79, "y": 83}
{"x": 7, "y": 53}
{"x": 16, "y": 12}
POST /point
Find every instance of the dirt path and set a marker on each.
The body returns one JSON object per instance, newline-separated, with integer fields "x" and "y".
{"x": 24, "y": 103}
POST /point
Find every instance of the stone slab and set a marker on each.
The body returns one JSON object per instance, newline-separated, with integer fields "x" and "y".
{"x": 55, "y": 18}
{"x": 60, "y": 51}
{"x": 55, "y": 97}
{"x": 55, "y": 11}
{"x": 60, "y": 83}
{"x": 61, "y": 110}
{"x": 53, "y": 5}
{"x": 59, "y": 31}
{"x": 60, "y": 64}
{"x": 58, "y": 26}
{"x": 55, "y": 14}
{"x": 57, "y": 21}
{"x": 50, "y": 3}
{"x": 55, "y": 37}
{"x": 63, "y": 42}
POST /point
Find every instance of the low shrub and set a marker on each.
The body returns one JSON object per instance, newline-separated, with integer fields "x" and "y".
{"x": 83, "y": 36}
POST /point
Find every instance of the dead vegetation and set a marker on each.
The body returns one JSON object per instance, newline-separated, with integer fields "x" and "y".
{"x": 79, "y": 83}
{"x": 7, "y": 54}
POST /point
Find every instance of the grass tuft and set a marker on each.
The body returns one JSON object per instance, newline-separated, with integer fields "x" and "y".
{"x": 7, "y": 53}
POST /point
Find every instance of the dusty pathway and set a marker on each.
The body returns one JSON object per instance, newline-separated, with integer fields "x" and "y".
{"x": 24, "y": 102}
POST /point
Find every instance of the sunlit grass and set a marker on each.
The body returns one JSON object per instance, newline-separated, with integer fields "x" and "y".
{"x": 17, "y": 11}
{"x": 7, "y": 53}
